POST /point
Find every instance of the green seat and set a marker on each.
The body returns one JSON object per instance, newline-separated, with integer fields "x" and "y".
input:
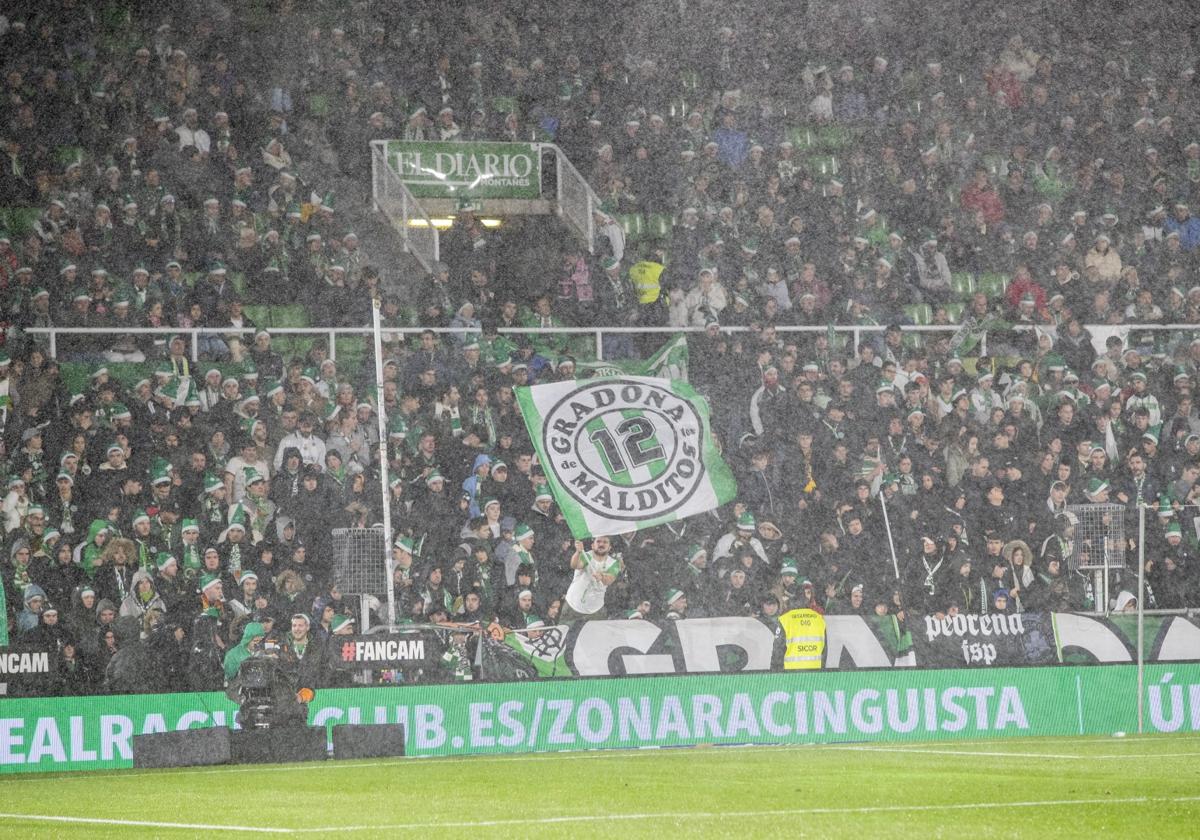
{"x": 259, "y": 314}
{"x": 993, "y": 285}
{"x": 919, "y": 313}
{"x": 823, "y": 167}
{"x": 318, "y": 105}
{"x": 833, "y": 137}
{"x": 504, "y": 104}
{"x": 912, "y": 340}
{"x": 633, "y": 225}
{"x": 76, "y": 376}
{"x": 802, "y": 137}
{"x": 18, "y": 221}
{"x": 658, "y": 226}
{"x": 954, "y": 312}
{"x": 65, "y": 155}
{"x": 963, "y": 284}
{"x": 292, "y": 315}
{"x": 351, "y": 352}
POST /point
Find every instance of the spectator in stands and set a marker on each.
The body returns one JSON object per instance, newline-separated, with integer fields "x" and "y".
{"x": 1000, "y": 184}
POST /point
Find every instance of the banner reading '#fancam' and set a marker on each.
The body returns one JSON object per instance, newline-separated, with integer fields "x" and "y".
{"x": 625, "y": 453}
{"x": 92, "y": 733}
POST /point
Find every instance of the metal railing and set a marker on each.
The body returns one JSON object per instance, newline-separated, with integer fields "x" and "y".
{"x": 1098, "y": 547}
{"x": 854, "y": 333}
{"x": 394, "y": 200}
{"x": 330, "y": 334}
{"x": 574, "y": 197}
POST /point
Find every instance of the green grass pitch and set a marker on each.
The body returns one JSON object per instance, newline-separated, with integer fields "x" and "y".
{"x": 1036, "y": 787}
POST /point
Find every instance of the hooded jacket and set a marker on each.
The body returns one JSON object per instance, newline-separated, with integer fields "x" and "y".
{"x": 135, "y": 606}
{"x": 241, "y": 652}
{"x": 91, "y": 550}
{"x": 80, "y": 621}
{"x": 18, "y": 576}
{"x": 473, "y": 482}
{"x": 27, "y": 619}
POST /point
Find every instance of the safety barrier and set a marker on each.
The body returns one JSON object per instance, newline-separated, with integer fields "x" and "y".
{"x": 394, "y": 200}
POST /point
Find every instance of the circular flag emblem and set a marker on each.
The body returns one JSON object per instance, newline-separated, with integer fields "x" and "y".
{"x": 625, "y": 449}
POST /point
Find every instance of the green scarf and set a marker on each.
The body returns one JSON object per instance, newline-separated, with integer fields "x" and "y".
{"x": 235, "y": 559}
{"x": 144, "y": 559}
{"x": 191, "y": 557}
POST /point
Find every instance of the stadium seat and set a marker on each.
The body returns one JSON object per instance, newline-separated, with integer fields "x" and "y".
{"x": 802, "y": 137}
{"x": 954, "y": 312}
{"x": 351, "y": 351}
{"x": 912, "y": 340}
{"x": 65, "y": 155}
{"x": 293, "y": 315}
{"x": 658, "y": 226}
{"x": 993, "y": 285}
{"x": 18, "y": 221}
{"x": 259, "y": 314}
{"x": 822, "y": 166}
{"x": 919, "y": 313}
{"x": 76, "y": 376}
{"x": 833, "y": 137}
{"x": 632, "y": 224}
{"x": 963, "y": 284}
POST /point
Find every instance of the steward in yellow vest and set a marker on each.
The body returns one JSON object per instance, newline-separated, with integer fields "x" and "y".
{"x": 803, "y": 633}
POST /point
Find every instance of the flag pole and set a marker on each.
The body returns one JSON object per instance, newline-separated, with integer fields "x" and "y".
{"x": 381, "y": 423}
{"x": 1141, "y": 616}
{"x": 888, "y": 526}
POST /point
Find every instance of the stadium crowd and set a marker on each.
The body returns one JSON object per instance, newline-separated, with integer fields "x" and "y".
{"x": 173, "y": 166}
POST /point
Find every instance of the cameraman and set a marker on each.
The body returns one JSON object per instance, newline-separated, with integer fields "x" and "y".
{"x": 252, "y": 637}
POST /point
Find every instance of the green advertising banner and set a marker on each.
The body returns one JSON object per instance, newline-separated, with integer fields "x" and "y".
{"x": 467, "y": 170}
{"x": 94, "y": 733}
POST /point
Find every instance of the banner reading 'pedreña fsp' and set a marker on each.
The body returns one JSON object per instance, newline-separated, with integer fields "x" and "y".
{"x": 467, "y": 170}
{"x": 625, "y": 453}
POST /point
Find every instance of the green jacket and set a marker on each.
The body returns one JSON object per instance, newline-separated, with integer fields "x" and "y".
{"x": 91, "y": 551}
{"x": 241, "y": 652}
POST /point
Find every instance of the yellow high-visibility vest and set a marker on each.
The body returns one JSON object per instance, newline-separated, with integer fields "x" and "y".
{"x": 804, "y": 630}
{"x": 644, "y": 275}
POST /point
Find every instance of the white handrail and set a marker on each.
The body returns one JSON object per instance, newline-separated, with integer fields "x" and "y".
{"x": 331, "y": 333}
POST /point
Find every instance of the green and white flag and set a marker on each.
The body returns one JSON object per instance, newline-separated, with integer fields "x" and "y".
{"x": 625, "y": 452}
{"x": 546, "y": 653}
{"x": 3, "y": 612}
{"x": 669, "y": 362}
